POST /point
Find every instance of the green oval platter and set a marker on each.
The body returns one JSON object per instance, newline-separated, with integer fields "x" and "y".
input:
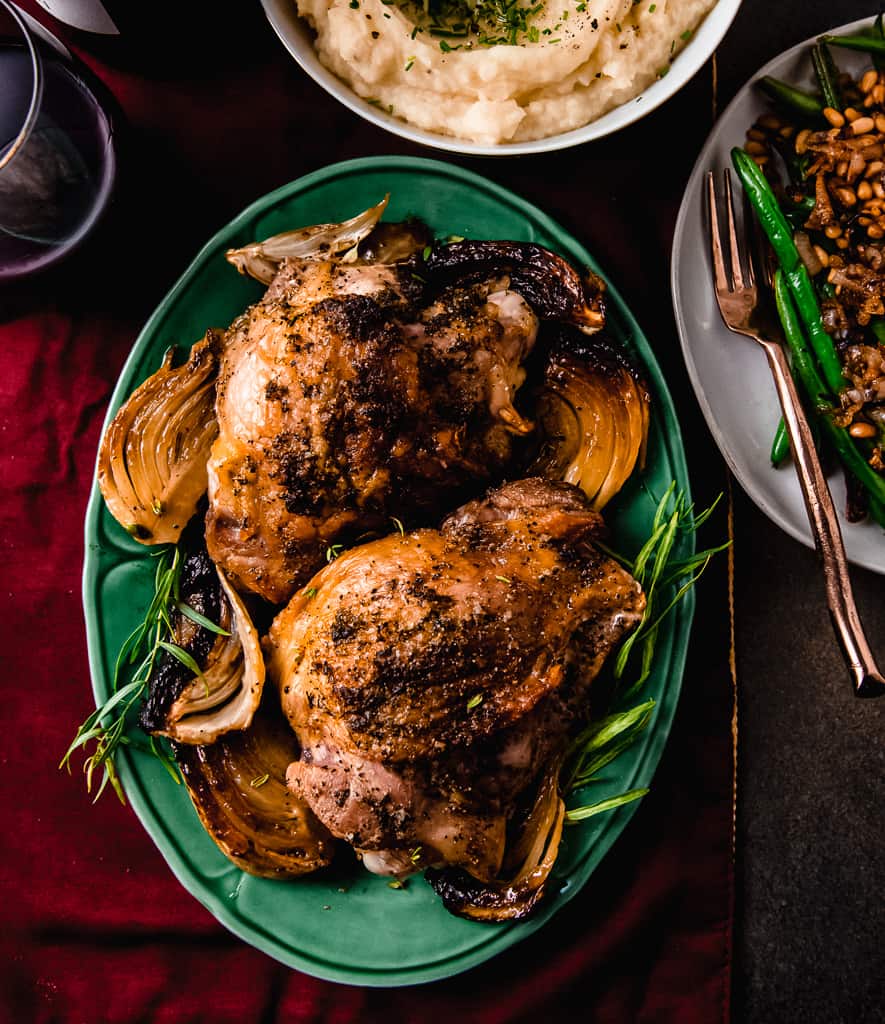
{"x": 356, "y": 929}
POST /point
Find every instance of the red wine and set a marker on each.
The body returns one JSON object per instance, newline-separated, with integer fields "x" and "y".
{"x": 55, "y": 188}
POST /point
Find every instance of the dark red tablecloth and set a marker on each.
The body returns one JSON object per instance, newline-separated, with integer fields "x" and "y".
{"x": 95, "y": 926}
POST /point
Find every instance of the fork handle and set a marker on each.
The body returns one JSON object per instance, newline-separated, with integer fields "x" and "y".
{"x": 868, "y": 680}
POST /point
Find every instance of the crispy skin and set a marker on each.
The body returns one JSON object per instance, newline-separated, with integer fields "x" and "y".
{"x": 431, "y": 676}
{"x": 340, "y": 405}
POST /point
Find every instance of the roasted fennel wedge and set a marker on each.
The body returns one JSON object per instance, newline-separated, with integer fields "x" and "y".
{"x": 153, "y": 456}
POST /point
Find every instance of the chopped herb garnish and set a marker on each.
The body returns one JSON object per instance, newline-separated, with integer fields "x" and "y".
{"x": 354, "y": 5}
{"x": 333, "y": 551}
{"x": 310, "y": 592}
{"x": 410, "y": 63}
{"x": 652, "y": 8}
{"x": 415, "y": 855}
{"x": 663, "y": 71}
{"x": 425, "y": 254}
{"x": 474, "y": 701}
{"x": 396, "y": 522}
{"x": 259, "y": 781}
{"x": 488, "y": 22}
{"x": 686, "y": 35}
{"x": 504, "y": 579}
{"x": 395, "y": 883}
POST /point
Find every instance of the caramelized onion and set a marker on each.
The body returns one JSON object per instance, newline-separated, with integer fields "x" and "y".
{"x": 320, "y": 241}
{"x": 238, "y": 787}
{"x": 532, "y": 858}
{"x": 153, "y": 457}
{"x": 594, "y": 414}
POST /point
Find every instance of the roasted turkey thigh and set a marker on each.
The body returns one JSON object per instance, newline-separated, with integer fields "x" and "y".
{"x": 342, "y": 402}
{"x": 431, "y": 677}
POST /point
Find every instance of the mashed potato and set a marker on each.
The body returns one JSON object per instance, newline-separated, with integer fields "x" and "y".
{"x": 559, "y": 65}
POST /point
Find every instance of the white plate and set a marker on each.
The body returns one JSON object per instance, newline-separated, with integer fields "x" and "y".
{"x": 298, "y": 40}
{"x": 730, "y": 374}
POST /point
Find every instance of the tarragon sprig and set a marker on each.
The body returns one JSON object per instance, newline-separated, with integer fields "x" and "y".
{"x": 665, "y": 581}
{"x": 106, "y": 727}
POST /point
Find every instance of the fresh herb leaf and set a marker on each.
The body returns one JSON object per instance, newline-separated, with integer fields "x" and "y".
{"x": 581, "y": 813}
{"x": 107, "y": 726}
{"x": 201, "y": 620}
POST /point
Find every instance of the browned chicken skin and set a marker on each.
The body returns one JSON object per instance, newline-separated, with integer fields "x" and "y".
{"x": 430, "y": 677}
{"x": 341, "y": 402}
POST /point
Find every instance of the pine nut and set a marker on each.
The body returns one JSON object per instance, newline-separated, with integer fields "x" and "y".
{"x": 846, "y": 196}
{"x": 862, "y": 429}
{"x": 834, "y": 117}
{"x": 862, "y": 125}
{"x": 802, "y": 140}
{"x": 869, "y": 80}
{"x": 755, "y": 148}
{"x": 822, "y": 255}
{"x": 832, "y": 231}
{"x": 864, "y": 190}
{"x": 874, "y": 168}
{"x": 876, "y": 232}
{"x": 880, "y": 122}
{"x": 851, "y": 114}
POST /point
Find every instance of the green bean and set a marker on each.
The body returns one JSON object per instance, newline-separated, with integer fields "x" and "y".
{"x": 809, "y": 379}
{"x": 791, "y": 99}
{"x": 780, "y": 446}
{"x": 780, "y": 235}
{"x": 879, "y": 31}
{"x": 827, "y": 75}
{"x": 868, "y": 44}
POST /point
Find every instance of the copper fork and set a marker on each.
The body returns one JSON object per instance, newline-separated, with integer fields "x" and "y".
{"x": 743, "y": 306}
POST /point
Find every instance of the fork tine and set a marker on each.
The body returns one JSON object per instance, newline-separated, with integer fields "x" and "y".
{"x": 761, "y": 248}
{"x": 737, "y": 274}
{"x": 755, "y": 250}
{"x": 722, "y": 284}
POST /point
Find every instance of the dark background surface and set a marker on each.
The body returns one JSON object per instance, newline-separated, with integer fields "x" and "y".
{"x": 810, "y": 817}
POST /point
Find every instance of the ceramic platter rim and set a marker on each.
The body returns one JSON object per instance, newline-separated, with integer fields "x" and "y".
{"x": 107, "y": 549}
{"x": 743, "y": 429}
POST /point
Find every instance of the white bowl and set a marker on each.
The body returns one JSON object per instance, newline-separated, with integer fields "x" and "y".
{"x": 298, "y": 40}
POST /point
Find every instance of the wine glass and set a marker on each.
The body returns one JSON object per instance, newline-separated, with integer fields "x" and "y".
{"x": 57, "y": 159}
